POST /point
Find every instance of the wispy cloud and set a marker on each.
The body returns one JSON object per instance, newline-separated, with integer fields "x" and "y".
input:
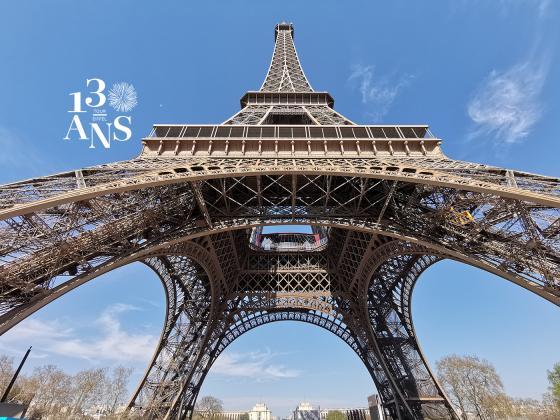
{"x": 111, "y": 343}
{"x": 541, "y": 6}
{"x": 505, "y": 7}
{"x": 257, "y": 364}
{"x": 507, "y": 104}
{"x": 377, "y": 92}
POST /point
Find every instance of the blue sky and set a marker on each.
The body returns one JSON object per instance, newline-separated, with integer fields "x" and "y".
{"x": 483, "y": 74}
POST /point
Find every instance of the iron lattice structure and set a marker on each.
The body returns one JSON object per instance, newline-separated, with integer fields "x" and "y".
{"x": 384, "y": 202}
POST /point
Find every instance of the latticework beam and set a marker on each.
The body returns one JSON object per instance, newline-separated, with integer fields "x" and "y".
{"x": 384, "y": 203}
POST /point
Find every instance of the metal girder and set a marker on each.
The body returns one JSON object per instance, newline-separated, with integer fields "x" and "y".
{"x": 285, "y": 73}
{"x": 385, "y": 199}
{"x": 389, "y": 281}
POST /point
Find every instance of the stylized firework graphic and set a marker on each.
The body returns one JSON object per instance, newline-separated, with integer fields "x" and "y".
{"x": 122, "y": 96}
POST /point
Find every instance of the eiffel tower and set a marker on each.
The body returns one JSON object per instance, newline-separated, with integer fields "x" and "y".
{"x": 383, "y": 202}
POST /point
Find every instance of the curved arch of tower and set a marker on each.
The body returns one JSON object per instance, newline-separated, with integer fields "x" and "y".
{"x": 383, "y": 201}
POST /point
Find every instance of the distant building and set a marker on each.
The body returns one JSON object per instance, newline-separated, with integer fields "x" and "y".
{"x": 350, "y": 413}
{"x": 232, "y": 415}
{"x": 375, "y": 407}
{"x": 260, "y": 412}
{"x": 305, "y": 411}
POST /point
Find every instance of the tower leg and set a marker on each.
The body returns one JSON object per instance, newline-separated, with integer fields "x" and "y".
{"x": 167, "y": 390}
{"x": 408, "y": 387}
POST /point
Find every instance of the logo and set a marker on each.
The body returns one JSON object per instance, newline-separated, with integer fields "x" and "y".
{"x": 122, "y": 97}
{"x": 102, "y": 125}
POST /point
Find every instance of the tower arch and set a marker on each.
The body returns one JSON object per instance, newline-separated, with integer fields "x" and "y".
{"x": 385, "y": 201}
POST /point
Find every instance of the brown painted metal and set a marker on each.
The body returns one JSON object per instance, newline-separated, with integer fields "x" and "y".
{"x": 384, "y": 201}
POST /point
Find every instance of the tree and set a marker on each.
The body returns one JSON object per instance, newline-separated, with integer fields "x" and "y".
{"x": 6, "y": 371}
{"x": 19, "y": 392}
{"x": 116, "y": 391}
{"x": 50, "y": 389}
{"x": 554, "y": 379}
{"x": 209, "y": 408}
{"x": 531, "y": 409}
{"x": 473, "y": 386}
{"x": 51, "y": 393}
{"x": 244, "y": 416}
{"x": 550, "y": 407}
{"x": 336, "y": 415}
{"x": 88, "y": 388}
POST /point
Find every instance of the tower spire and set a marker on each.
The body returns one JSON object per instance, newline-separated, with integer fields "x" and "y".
{"x": 286, "y": 97}
{"x": 285, "y": 73}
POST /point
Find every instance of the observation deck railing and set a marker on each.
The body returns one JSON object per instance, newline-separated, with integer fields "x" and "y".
{"x": 282, "y": 141}
{"x": 288, "y": 242}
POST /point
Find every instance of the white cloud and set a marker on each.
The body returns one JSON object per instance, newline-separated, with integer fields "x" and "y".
{"x": 257, "y": 365}
{"x": 34, "y": 328}
{"x": 112, "y": 343}
{"x": 507, "y": 104}
{"x": 378, "y": 93}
